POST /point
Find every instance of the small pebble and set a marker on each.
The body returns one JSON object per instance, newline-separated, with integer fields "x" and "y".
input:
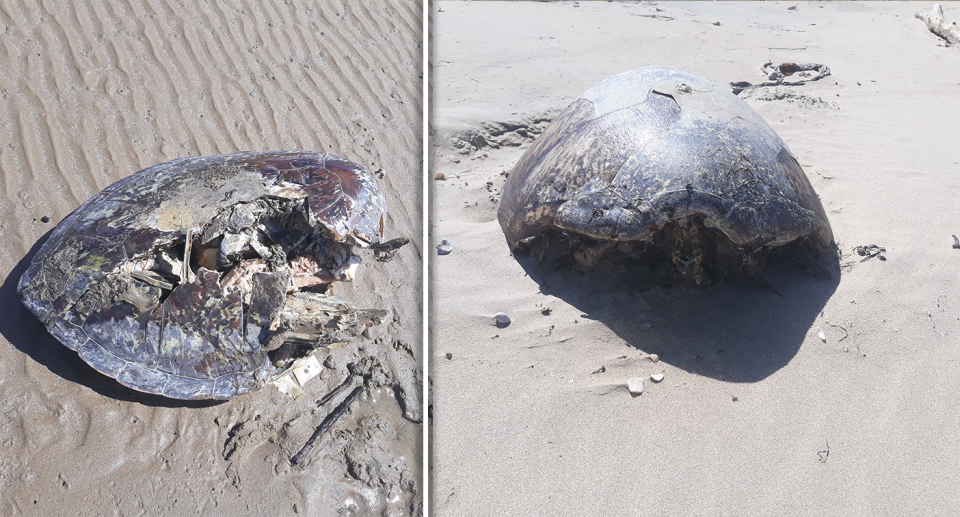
{"x": 501, "y": 319}
{"x": 44, "y": 219}
{"x": 449, "y": 355}
{"x": 653, "y": 357}
{"x": 445, "y": 247}
{"x": 656, "y": 377}
{"x": 440, "y": 176}
{"x": 821, "y": 335}
{"x": 635, "y": 385}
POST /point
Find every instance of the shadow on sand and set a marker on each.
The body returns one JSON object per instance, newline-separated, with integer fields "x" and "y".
{"x": 731, "y": 332}
{"x": 22, "y": 329}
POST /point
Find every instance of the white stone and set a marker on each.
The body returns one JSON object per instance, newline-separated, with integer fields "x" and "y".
{"x": 501, "y": 319}
{"x": 635, "y": 385}
{"x": 656, "y": 377}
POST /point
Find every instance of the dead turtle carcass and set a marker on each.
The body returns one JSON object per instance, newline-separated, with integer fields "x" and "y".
{"x": 668, "y": 169}
{"x": 206, "y": 277}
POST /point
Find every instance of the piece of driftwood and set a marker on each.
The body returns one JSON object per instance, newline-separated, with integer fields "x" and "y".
{"x": 939, "y": 26}
{"x": 327, "y": 424}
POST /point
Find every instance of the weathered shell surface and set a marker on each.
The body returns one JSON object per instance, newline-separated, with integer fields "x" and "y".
{"x": 198, "y": 341}
{"x": 653, "y": 145}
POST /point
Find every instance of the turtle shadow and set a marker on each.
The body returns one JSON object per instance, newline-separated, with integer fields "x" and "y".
{"x": 730, "y": 332}
{"x": 25, "y": 332}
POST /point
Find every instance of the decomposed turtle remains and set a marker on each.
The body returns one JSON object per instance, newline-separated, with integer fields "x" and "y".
{"x": 205, "y": 277}
{"x": 668, "y": 169}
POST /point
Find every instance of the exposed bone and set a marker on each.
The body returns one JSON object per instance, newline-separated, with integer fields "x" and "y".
{"x": 939, "y": 26}
{"x": 232, "y": 245}
{"x": 348, "y": 271}
{"x": 302, "y": 280}
{"x": 286, "y": 190}
{"x": 151, "y": 278}
{"x": 167, "y": 264}
{"x": 313, "y": 320}
{"x": 186, "y": 273}
{"x": 241, "y": 277}
{"x": 137, "y": 265}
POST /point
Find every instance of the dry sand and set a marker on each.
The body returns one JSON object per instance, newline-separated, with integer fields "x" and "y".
{"x": 91, "y": 92}
{"x": 756, "y": 415}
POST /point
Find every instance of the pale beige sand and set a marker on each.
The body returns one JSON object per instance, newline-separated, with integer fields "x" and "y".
{"x": 93, "y": 91}
{"x": 752, "y": 400}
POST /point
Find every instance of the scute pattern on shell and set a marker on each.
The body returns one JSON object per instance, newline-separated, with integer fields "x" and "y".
{"x": 198, "y": 342}
{"x": 653, "y": 145}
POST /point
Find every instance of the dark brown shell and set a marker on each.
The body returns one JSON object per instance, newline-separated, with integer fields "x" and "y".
{"x": 198, "y": 340}
{"x": 654, "y": 145}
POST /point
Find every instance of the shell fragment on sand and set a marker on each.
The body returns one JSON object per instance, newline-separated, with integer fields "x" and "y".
{"x": 501, "y": 319}
{"x": 445, "y": 247}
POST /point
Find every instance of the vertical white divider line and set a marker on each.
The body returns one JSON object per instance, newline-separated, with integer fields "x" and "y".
{"x": 425, "y": 319}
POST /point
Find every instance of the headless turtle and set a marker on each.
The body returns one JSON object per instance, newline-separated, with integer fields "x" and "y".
{"x": 205, "y": 277}
{"x": 667, "y": 167}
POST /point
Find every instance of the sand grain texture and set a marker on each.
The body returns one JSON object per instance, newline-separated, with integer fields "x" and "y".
{"x": 756, "y": 415}
{"x": 91, "y": 92}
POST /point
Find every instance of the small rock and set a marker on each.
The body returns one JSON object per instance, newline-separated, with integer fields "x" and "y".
{"x": 44, "y": 219}
{"x": 449, "y": 355}
{"x": 635, "y": 385}
{"x": 821, "y": 335}
{"x": 440, "y": 176}
{"x": 656, "y": 377}
{"x": 653, "y": 357}
{"x": 501, "y": 319}
{"x": 445, "y": 247}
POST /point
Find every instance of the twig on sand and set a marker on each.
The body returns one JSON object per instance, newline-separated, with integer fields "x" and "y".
{"x": 343, "y": 385}
{"x": 824, "y": 454}
{"x": 939, "y": 26}
{"x": 327, "y": 424}
{"x": 869, "y": 251}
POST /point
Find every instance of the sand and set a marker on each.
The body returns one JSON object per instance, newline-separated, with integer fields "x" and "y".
{"x": 756, "y": 415}
{"x": 91, "y": 92}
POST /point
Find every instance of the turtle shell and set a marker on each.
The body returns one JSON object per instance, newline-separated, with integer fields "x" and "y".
{"x": 125, "y": 282}
{"x": 655, "y": 145}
